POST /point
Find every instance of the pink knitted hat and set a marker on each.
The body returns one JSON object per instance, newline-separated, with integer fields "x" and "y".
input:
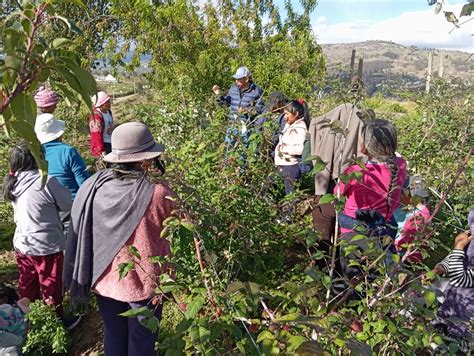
{"x": 100, "y": 99}
{"x": 45, "y": 98}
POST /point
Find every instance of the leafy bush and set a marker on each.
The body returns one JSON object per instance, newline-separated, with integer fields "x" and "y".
{"x": 256, "y": 287}
{"x": 47, "y": 335}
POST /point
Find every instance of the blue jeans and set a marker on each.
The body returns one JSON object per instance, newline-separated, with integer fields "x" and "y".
{"x": 125, "y": 336}
{"x": 289, "y": 174}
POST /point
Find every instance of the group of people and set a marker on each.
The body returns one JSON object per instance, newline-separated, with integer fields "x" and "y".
{"x": 76, "y": 232}
{"x": 362, "y": 156}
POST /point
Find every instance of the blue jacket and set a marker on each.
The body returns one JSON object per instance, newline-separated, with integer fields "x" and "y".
{"x": 66, "y": 164}
{"x": 250, "y": 99}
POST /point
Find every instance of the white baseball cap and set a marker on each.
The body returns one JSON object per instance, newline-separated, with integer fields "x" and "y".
{"x": 242, "y": 72}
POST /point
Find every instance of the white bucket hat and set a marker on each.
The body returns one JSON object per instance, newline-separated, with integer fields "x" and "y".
{"x": 48, "y": 128}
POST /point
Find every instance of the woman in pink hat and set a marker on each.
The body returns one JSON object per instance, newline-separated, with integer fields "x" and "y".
{"x": 100, "y": 124}
{"x": 46, "y": 100}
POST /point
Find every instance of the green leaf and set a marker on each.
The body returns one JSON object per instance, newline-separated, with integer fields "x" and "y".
{"x": 295, "y": 342}
{"x": 430, "y": 297}
{"x": 234, "y": 286}
{"x": 358, "y": 237}
{"x": 134, "y": 312}
{"x": 71, "y": 25}
{"x": 265, "y": 335}
{"x": 188, "y": 225}
{"x": 467, "y": 9}
{"x": 253, "y": 292}
{"x": 199, "y": 334}
{"x": 151, "y": 323}
{"x": 134, "y": 252}
{"x": 167, "y": 288}
{"x": 194, "y": 307}
{"x": 25, "y": 130}
{"x": 125, "y": 267}
{"x": 289, "y": 317}
{"x": 326, "y": 198}
{"x": 24, "y": 108}
{"x": 61, "y": 42}
{"x": 13, "y": 62}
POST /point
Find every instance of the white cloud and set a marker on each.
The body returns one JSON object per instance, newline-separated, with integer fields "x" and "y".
{"x": 320, "y": 20}
{"x": 419, "y": 28}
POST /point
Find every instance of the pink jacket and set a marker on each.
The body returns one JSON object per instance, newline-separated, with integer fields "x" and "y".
{"x": 140, "y": 283}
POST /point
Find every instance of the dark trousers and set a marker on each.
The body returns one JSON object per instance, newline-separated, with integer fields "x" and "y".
{"x": 290, "y": 175}
{"x": 40, "y": 277}
{"x": 108, "y": 147}
{"x": 125, "y": 336}
{"x": 324, "y": 219}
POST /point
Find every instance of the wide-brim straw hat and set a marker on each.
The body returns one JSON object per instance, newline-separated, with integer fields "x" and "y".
{"x": 133, "y": 142}
{"x": 48, "y": 128}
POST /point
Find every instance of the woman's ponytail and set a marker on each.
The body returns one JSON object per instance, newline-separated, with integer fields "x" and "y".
{"x": 21, "y": 160}
{"x": 7, "y": 186}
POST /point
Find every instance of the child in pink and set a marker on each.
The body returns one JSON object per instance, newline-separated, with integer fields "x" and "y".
{"x": 411, "y": 220}
{"x": 377, "y": 186}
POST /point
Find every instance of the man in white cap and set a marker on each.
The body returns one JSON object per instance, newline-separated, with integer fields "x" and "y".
{"x": 245, "y": 99}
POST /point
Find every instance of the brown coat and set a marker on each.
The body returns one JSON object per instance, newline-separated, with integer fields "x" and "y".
{"x": 326, "y": 143}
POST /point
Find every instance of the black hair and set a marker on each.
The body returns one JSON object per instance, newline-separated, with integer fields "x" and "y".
{"x": 122, "y": 170}
{"x": 8, "y": 293}
{"x": 21, "y": 160}
{"x": 275, "y": 99}
{"x": 380, "y": 141}
{"x": 301, "y": 108}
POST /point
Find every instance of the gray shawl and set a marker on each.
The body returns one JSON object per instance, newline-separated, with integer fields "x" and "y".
{"x": 326, "y": 143}
{"x": 104, "y": 215}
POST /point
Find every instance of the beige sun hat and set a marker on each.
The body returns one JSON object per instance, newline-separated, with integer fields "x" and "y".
{"x": 133, "y": 142}
{"x": 48, "y": 128}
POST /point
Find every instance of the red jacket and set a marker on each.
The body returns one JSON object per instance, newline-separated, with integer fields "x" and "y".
{"x": 96, "y": 127}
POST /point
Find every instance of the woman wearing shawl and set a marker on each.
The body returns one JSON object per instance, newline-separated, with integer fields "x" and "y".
{"x": 115, "y": 209}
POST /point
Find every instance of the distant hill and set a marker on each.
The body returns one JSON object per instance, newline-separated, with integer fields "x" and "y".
{"x": 387, "y": 64}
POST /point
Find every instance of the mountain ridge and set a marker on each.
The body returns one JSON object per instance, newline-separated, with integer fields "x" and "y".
{"x": 388, "y": 63}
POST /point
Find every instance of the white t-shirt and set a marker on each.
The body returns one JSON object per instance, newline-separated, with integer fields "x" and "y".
{"x": 108, "y": 122}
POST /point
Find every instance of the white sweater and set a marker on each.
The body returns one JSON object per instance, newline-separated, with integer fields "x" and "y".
{"x": 290, "y": 144}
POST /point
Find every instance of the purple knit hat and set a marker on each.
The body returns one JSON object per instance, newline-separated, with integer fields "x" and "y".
{"x": 45, "y": 98}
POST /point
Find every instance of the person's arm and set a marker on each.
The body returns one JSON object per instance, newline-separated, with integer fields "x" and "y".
{"x": 306, "y": 147}
{"x": 294, "y": 142}
{"x": 453, "y": 264}
{"x": 259, "y": 104}
{"x": 224, "y": 100}
{"x": 96, "y": 126}
{"x": 78, "y": 167}
{"x": 62, "y": 196}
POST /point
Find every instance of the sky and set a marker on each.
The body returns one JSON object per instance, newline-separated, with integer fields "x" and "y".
{"x": 407, "y": 22}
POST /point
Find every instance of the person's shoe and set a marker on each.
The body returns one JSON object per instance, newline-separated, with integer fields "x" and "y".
{"x": 71, "y": 322}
